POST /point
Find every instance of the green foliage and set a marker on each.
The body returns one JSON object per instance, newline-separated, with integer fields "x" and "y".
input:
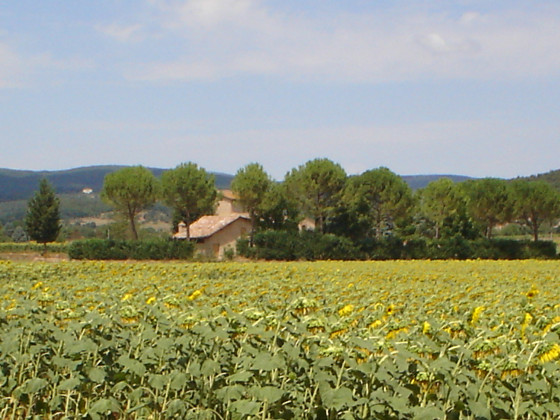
{"x": 379, "y": 198}
{"x": 490, "y": 249}
{"x": 19, "y": 185}
{"x": 251, "y": 184}
{"x": 19, "y": 235}
{"x": 398, "y": 340}
{"x": 32, "y": 247}
{"x": 489, "y": 202}
{"x": 439, "y": 201}
{"x": 552, "y": 178}
{"x": 317, "y": 186}
{"x": 387, "y": 248}
{"x": 535, "y": 202}
{"x": 42, "y": 221}
{"x": 129, "y": 191}
{"x": 71, "y": 206}
{"x": 81, "y": 205}
{"x": 305, "y": 245}
{"x": 109, "y": 249}
{"x": 311, "y": 246}
{"x": 278, "y": 211}
{"x": 190, "y": 191}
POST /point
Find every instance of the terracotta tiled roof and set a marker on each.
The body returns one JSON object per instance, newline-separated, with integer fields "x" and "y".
{"x": 208, "y": 225}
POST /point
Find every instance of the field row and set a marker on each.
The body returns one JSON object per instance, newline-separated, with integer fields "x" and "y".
{"x": 328, "y": 340}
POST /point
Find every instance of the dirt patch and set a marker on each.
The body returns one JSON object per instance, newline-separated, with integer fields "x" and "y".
{"x": 33, "y": 256}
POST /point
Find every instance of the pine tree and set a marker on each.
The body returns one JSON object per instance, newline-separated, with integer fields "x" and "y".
{"x": 42, "y": 221}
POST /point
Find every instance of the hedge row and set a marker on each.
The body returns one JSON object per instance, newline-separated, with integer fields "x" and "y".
{"x": 289, "y": 246}
{"x": 32, "y": 247}
{"x": 109, "y": 249}
{"x": 459, "y": 248}
{"x": 281, "y": 245}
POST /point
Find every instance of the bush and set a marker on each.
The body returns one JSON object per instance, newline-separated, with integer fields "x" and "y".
{"x": 306, "y": 245}
{"x": 490, "y": 249}
{"x": 414, "y": 249}
{"x": 279, "y": 245}
{"x": 326, "y": 247}
{"x": 541, "y": 249}
{"x": 499, "y": 249}
{"x": 388, "y": 248}
{"x": 109, "y": 249}
{"x": 287, "y": 246}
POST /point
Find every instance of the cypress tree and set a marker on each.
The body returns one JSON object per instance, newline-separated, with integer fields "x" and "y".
{"x": 42, "y": 221}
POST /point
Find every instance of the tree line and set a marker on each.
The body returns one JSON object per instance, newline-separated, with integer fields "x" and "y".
{"x": 375, "y": 204}
{"x": 370, "y": 206}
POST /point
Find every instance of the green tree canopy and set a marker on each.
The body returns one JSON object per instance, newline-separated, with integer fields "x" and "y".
{"x": 278, "y": 211}
{"x": 535, "y": 202}
{"x": 130, "y": 191}
{"x": 251, "y": 184}
{"x": 190, "y": 191}
{"x": 379, "y": 198}
{"x": 42, "y": 221}
{"x": 440, "y": 200}
{"x": 488, "y": 202}
{"x": 317, "y": 186}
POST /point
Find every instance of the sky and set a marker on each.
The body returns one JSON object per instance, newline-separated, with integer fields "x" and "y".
{"x": 465, "y": 87}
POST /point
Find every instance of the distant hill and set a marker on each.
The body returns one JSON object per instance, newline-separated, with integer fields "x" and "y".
{"x": 552, "y": 177}
{"x": 420, "y": 181}
{"x": 20, "y": 185}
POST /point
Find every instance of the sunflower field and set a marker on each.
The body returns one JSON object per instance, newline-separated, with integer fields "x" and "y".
{"x": 325, "y": 340}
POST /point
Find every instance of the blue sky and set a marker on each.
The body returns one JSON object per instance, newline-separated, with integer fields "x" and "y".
{"x": 427, "y": 86}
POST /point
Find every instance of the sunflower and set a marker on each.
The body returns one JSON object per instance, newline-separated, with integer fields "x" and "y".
{"x": 195, "y": 294}
{"x": 346, "y": 310}
{"x": 476, "y": 314}
{"x": 551, "y": 353}
{"x": 532, "y": 293}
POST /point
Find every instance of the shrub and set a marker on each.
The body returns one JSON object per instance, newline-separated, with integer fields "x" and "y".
{"x": 388, "y": 248}
{"x": 109, "y": 249}
{"x": 306, "y": 245}
{"x": 493, "y": 249}
{"x": 318, "y": 246}
{"x": 414, "y": 249}
{"x": 541, "y": 249}
{"x": 282, "y": 245}
{"x": 279, "y": 245}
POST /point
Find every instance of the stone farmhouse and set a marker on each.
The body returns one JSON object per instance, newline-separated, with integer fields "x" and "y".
{"x": 216, "y": 234}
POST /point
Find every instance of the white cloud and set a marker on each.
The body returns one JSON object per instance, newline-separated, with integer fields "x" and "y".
{"x": 469, "y": 17}
{"x": 212, "y": 12}
{"x": 121, "y": 33}
{"x": 249, "y": 37}
{"x": 20, "y": 70}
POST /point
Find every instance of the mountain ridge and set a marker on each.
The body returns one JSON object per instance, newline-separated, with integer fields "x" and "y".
{"x": 20, "y": 184}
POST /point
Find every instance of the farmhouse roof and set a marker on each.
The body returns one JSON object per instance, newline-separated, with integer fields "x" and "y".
{"x": 208, "y": 225}
{"x": 228, "y": 195}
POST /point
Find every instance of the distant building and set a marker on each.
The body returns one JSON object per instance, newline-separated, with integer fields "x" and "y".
{"x": 215, "y": 234}
{"x": 306, "y": 224}
{"x": 228, "y": 203}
